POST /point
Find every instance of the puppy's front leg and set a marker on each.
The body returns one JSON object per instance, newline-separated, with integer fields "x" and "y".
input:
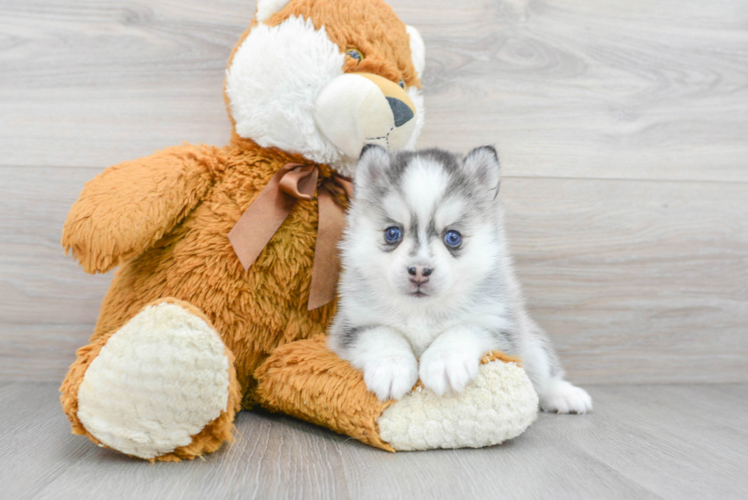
{"x": 452, "y": 360}
{"x": 387, "y": 360}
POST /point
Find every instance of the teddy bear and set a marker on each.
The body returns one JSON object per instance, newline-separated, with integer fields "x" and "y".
{"x": 226, "y": 260}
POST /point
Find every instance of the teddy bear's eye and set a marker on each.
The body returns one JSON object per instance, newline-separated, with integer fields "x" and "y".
{"x": 402, "y": 84}
{"x": 355, "y": 54}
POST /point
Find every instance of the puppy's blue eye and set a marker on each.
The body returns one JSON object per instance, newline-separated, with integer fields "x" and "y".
{"x": 392, "y": 234}
{"x": 453, "y": 239}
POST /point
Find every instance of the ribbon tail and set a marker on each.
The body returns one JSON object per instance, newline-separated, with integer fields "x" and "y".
{"x": 259, "y": 223}
{"x": 326, "y": 265}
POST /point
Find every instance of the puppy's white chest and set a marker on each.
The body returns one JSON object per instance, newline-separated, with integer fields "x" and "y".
{"x": 420, "y": 333}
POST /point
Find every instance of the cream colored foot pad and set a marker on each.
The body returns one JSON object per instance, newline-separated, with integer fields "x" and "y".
{"x": 157, "y": 382}
{"x": 498, "y": 405}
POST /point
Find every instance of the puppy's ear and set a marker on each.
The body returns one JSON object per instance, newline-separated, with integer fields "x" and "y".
{"x": 483, "y": 164}
{"x": 372, "y": 164}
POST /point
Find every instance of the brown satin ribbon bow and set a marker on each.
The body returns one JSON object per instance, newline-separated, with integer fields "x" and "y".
{"x": 296, "y": 181}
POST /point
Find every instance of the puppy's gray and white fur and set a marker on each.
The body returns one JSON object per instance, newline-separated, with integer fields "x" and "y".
{"x": 423, "y": 306}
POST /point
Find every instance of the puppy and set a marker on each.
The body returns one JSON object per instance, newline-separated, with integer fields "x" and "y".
{"x": 428, "y": 286}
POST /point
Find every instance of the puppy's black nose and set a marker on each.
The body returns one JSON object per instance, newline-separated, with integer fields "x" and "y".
{"x": 400, "y": 111}
{"x": 419, "y": 274}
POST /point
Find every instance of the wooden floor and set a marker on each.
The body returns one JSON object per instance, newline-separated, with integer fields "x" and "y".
{"x": 641, "y": 442}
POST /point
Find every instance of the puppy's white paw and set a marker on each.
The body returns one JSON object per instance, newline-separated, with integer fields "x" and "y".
{"x": 391, "y": 377}
{"x": 562, "y": 397}
{"x": 445, "y": 370}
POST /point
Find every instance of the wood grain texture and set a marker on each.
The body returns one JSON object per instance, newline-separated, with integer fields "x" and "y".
{"x": 621, "y": 128}
{"x": 644, "y": 90}
{"x": 604, "y": 89}
{"x": 640, "y": 442}
{"x": 644, "y": 279}
{"x": 92, "y": 83}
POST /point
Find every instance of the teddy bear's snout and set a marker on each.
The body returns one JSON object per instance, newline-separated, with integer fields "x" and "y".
{"x": 355, "y": 109}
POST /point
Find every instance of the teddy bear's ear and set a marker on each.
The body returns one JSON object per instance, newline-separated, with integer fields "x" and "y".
{"x": 266, "y": 8}
{"x": 417, "y": 49}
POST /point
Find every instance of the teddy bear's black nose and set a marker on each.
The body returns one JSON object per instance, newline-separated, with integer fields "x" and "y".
{"x": 400, "y": 111}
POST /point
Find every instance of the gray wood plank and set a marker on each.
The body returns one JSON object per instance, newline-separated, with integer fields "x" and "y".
{"x": 270, "y": 459}
{"x": 653, "y": 90}
{"x": 632, "y": 446}
{"x": 644, "y": 278}
{"x": 40, "y": 284}
{"x": 723, "y": 405}
{"x": 670, "y": 453}
{"x": 605, "y": 89}
{"x": 535, "y": 465}
{"x": 122, "y": 79}
{"x": 629, "y": 277}
{"x": 40, "y": 352}
{"x": 36, "y": 445}
{"x": 48, "y": 305}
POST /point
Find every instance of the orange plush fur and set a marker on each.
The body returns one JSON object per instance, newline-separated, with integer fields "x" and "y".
{"x": 164, "y": 220}
{"x": 306, "y": 380}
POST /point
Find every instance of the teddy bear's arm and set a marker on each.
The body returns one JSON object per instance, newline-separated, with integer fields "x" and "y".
{"x": 127, "y": 208}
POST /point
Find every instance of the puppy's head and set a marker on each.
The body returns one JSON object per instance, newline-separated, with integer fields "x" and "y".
{"x": 423, "y": 225}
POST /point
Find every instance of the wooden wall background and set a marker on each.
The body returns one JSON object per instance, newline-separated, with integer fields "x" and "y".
{"x": 623, "y": 129}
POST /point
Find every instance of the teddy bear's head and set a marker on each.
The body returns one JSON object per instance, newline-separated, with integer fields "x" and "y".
{"x": 322, "y": 78}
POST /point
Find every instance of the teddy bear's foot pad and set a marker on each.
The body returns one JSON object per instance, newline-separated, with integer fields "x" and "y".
{"x": 156, "y": 383}
{"x": 498, "y": 405}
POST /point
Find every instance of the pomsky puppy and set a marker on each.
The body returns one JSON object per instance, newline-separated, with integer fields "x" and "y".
{"x": 428, "y": 286}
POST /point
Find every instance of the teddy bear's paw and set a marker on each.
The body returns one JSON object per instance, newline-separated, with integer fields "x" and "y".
{"x": 156, "y": 383}
{"x": 499, "y": 404}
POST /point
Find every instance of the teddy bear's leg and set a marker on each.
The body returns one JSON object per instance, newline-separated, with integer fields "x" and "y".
{"x": 162, "y": 387}
{"x": 307, "y": 380}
